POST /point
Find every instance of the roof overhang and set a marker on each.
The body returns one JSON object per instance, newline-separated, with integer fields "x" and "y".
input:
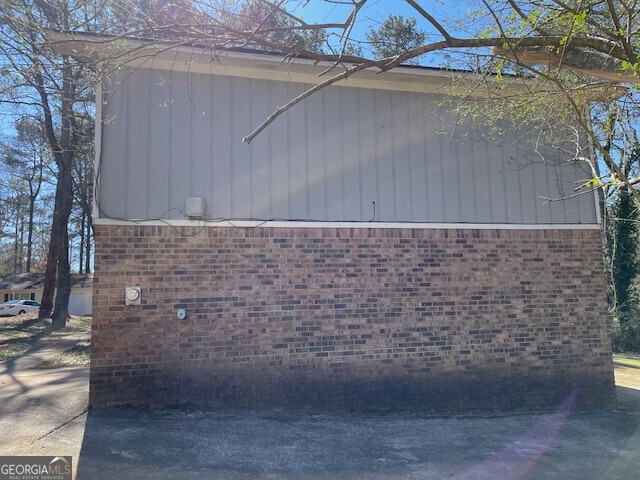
{"x": 107, "y": 52}
{"x": 110, "y": 52}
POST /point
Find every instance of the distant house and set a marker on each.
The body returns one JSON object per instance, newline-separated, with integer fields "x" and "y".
{"x": 356, "y": 255}
{"x": 29, "y": 286}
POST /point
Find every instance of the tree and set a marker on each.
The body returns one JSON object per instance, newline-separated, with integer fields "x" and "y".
{"x": 151, "y": 18}
{"x": 395, "y": 36}
{"x": 83, "y": 195}
{"x": 625, "y": 264}
{"x": 55, "y": 91}
{"x": 13, "y": 214}
{"x": 25, "y": 163}
{"x": 275, "y": 28}
{"x": 623, "y": 227}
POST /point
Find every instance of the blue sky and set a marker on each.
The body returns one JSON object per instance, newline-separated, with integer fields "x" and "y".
{"x": 376, "y": 11}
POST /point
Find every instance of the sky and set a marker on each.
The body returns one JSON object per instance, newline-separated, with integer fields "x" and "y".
{"x": 376, "y": 11}
{"x": 373, "y": 11}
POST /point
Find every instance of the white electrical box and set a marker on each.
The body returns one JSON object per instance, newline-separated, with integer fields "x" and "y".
{"x": 194, "y": 207}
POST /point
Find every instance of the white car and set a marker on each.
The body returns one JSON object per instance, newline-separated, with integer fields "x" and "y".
{"x": 18, "y": 307}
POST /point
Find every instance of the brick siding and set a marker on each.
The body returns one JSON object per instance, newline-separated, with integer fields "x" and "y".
{"x": 431, "y": 320}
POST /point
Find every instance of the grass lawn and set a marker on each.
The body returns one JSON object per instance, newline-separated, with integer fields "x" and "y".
{"x": 22, "y": 333}
{"x": 78, "y": 356}
{"x": 626, "y": 359}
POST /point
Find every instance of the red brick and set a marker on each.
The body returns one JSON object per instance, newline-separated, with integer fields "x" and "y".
{"x": 433, "y": 320}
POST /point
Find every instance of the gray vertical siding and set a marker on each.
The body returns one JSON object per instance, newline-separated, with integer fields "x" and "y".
{"x": 171, "y": 135}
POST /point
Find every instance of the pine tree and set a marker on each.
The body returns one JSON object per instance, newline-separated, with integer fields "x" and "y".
{"x": 395, "y": 36}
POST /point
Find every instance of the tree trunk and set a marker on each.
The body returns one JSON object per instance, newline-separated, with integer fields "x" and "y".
{"x": 87, "y": 268}
{"x": 51, "y": 270}
{"x": 81, "y": 247}
{"x": 21, "y": 249}
{"x": 16, "y": 232}
{"x": 58, "y": 254}
{"x": 49, "y": 284}
{"x": 61, "y": 310}
{"x": 32, "y": 202}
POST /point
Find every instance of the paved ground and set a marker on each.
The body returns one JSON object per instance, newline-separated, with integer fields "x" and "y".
{"x": 43, "y": 412}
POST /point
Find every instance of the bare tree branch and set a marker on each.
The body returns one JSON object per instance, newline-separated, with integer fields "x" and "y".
{"x": 280, "y": 110}
{"x": 443, "y": 31}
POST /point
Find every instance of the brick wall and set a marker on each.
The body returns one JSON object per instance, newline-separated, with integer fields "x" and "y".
{"x": 432, "y": 320}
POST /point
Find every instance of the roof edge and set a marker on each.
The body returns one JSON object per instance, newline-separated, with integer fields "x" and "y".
{"x": 115, "y": 52}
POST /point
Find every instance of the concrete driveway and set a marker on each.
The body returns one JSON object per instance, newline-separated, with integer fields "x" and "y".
{"x": 42, "y": 412}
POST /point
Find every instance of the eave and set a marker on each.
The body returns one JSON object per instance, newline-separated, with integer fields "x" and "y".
{"x": 113, "y": 52}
